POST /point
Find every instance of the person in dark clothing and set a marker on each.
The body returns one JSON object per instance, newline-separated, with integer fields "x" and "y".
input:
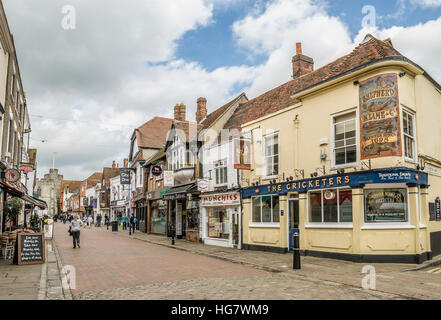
{"x": 132, "y": 223}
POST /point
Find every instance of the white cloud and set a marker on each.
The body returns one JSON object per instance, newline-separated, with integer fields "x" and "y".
{"x": 426, "y": 3}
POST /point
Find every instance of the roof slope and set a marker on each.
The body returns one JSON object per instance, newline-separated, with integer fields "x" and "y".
{"x": 280, "y": 97}
{"x": 212, "y": 117}
{"x": 153, "y": 133}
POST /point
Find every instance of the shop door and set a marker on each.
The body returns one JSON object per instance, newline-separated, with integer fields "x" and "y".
{"x": 235, "y": 223}
{"x": 293, "y": 221}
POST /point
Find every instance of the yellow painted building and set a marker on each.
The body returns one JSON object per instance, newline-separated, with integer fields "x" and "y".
{"x": 348, "y": 155}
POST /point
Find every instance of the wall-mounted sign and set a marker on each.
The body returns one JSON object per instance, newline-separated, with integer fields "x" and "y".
{"x": 385, "y": 205}
{"x": 169, "y": 178}
{"x": 156, "y": 171}
{"x": 379, "y": 117}
{"x": 223, "y": 199}
{"x": 12, "y": 175}
{"x": 438, "y": 209}
{"x": 124, "y": 176}
{"x": 329, "y": 194}
{"x": 242, "y": 154}
{"x": 202, "y": 184}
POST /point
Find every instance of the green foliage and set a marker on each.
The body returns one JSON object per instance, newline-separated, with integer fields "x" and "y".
{"x": 12, "y": 208}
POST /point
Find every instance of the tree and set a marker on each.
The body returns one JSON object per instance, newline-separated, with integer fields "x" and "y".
{"x": 13, "y": 208}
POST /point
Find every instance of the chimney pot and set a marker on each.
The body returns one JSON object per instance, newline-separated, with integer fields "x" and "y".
{"x": 113, "y": 164}
{"x": 298, "y": 48}
{"x": 126, "y": 163}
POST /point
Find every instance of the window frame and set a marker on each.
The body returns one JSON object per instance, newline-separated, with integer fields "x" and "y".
{"x": 271, "y": 135}
{"x": 357, "y": 139}
{"x": 408, "y": 112}
{"x": 263, "y": 224}
{"x": 348, "y": 224}
{"x": 220, "y": 166}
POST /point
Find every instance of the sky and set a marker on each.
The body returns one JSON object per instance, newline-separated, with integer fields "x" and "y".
{"x": 97, "y": 69}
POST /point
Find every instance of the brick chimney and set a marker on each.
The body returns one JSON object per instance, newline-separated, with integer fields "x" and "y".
{"x": 126, "y": 163}
{"x": 180, "y": 112}
{"x": 301, "y": 64}
{"x": 113, "y": 164}
{"x": 117, "y": 165}
{"x": 201, "y": 111}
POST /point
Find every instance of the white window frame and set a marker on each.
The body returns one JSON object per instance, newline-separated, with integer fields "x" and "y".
{"x": 357, "y": 139}
{"x": 323, "y": 224}
{"x": 220, "y": 166}
{"x": 271, "y": 135}
{"x": 392, "y": 224}
{"x": 405, "y": 135}
{"x": 264, "y": 224}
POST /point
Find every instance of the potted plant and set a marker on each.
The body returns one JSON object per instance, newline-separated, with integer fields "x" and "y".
{"x": 12, "y": 209}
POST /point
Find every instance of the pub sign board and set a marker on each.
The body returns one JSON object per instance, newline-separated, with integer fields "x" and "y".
{"x": 156, "y": 171}
{"x": 124, "y": 176}
{"x": 379, "y": 117}
{"x": 31, "y": 248}
{"x": 242, "y": 154}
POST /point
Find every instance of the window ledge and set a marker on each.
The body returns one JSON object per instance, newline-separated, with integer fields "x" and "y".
{"x": 344, "y": 166}
{"x": 372, "y": 226}
{"x": 413, "y": 161}
{"x": 217, "y": 239}
{"x": 423, "y": 226}
{"x": 264, "y": 225}
{"x": 328, "y": 225}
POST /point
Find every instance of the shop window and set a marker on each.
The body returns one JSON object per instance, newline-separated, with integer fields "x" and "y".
{"x": 333, "y": 205}
{"x": 272, "y": 155}
{"x": 409, "y": 135}
{"x": 432, "y": 214}
{"x": 266, "y": 209}
{"x": 218, "y": 223}
{"x": 385, "y": 205}
{"x": 344, "y": 147}
{"x": 220, "y": 168}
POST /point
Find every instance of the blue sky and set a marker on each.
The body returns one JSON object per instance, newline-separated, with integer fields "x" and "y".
{"x": 214, "y": 45}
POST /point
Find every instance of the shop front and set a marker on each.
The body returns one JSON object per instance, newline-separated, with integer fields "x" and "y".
{"x": 117, "y": 210}
{"x": 379, "y": 215}
{"x": 183, "y": 211}
{"x": 221, "y": 219}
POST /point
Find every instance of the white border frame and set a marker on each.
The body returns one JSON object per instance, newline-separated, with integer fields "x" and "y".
{"x": 357, "y": 139}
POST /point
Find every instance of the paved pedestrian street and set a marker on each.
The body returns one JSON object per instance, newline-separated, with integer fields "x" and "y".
{"x": 114, "y": 265}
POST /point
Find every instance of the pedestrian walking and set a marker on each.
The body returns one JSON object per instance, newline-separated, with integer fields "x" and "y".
{"x": 132, "y": 223}
{"x": 75, "y": 227}
{"x": 124, "y": 222}
{"x": 90, "y": 221}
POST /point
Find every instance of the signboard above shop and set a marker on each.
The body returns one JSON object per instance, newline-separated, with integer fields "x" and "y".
{"x": 124, "y": 176}
{"x": 354, "y": 180}
{"x": 223, "y": 199}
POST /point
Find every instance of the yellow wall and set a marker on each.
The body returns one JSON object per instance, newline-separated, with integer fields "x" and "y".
{"x": 302, "y": 126}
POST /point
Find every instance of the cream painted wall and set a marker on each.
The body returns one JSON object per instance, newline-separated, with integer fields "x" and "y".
{"x": 300, "y": 149}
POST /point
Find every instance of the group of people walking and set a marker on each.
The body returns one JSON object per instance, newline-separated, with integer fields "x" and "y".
{"x": 76, "y": 223}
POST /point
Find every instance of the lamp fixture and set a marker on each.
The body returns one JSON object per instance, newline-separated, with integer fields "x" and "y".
{"x": 356, "y": 82}
{"x": 402, "y": 74}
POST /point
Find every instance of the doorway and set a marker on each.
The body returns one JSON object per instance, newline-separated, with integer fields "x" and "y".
{"x": 293, "y": 221}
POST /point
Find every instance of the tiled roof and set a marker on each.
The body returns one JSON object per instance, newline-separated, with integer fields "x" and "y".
{"x": 212, "y": 117}
{"x": 94, "y": 179}
{"x": 280, "y": 97}
{"x": 64, "y": 183}
{"x": 153, "y": 133}
{"x": 74, "y": 185}
{"x": 109, "y": 173}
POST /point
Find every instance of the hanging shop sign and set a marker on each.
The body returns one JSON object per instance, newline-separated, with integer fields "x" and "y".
{"x": 156, "y": 171}
{"x": 353, "y": 180}
{"x": 242, "y": 154}
{"x": 438, "y": 209}
{"x": 224, "y": 199}
{"x": 26, "y": 167}
{"x": 124, "y": 176}
{"x": 202, "y": 185}
{"x": 12, "y": 175}
{"x": 169, "y": 178}
{"x": 379, "y": 117}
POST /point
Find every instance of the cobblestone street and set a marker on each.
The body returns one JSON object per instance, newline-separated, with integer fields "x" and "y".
{"x": 112, "y": 265}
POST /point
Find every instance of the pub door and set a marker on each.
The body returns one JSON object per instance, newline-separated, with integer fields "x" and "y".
{"x": 293, "y": 221}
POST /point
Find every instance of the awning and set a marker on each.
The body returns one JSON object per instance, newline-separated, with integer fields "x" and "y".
{"x": 179, "y": 192}
{"x": 12, "y": 190}
{"x": 35, "y": 201}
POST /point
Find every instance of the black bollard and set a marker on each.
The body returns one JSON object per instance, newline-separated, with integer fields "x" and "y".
{"x": 296, "y": 253}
